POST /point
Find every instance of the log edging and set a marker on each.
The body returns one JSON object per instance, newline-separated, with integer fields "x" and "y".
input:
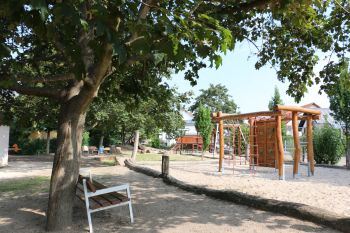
{"x": 292, "y": 209}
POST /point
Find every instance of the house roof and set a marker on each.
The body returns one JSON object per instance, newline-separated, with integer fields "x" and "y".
{"x": 311, "y": 105}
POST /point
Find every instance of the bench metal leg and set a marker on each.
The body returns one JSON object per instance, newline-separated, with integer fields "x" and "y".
{"x": 130, "y": 207}
{"x": 131, "y": 214}
{"x": 90, "y": 222}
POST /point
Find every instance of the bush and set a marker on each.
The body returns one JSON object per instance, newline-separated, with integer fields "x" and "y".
{"x": 328, "y": 145}
{"x": 86, "y": 138}
{"x": 34, "y": 147}
{"x": 155, "y": 142}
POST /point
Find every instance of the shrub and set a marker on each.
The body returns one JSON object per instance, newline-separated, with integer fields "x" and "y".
{"x": 33, "y": 147}
{"x": 328, "y": 145}
{"x": 86, "y": 138}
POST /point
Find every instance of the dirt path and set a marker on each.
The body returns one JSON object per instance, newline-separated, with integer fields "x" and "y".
{"x": 157, "y": 208}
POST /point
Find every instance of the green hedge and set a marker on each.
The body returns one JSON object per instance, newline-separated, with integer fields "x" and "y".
{"x": 328, "y": 145}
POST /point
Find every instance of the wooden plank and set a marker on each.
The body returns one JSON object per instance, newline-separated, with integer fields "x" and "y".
{"x": 310, "y": 145}
{"x": 297, "y": 147}
{"x": 297, "y": 109}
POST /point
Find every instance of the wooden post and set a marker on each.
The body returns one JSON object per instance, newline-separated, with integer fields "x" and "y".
{"x": 239, "y": 143}
{"x": 221, "y": 140}
{"x": 276, "y": 148}
{"x": 310, "y": 146}
{"x": 251, "y": 141}
{"x": 296, "y": 143}
{"x": 165, "y": 165}
{"x": 280, "y": 147}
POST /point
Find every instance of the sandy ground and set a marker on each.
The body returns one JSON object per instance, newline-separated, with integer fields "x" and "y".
{"x": 157, "y": 207}
{"x": 328, "y": 189}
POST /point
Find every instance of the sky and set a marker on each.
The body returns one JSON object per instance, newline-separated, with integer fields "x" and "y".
{"x": 251, "y": 89}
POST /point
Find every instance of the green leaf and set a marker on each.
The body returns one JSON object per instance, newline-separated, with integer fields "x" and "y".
{"x": 84, "y": 24}
{"x": 41, "y": 6}
{"x": 158, "y": 57}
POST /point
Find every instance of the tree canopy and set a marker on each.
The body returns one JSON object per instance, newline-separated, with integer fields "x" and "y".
{"x": 65, "y": 50}
{"x": 216, "y": 98}
{"x": 339, "y": 98}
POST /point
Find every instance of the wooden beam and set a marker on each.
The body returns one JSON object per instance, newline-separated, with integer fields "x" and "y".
{"x": 215, "y": 117}
{"x": 310, "y": 146}
{"x": 296, "y": 143}
{"x": 279, "y": 147}
{"x": 221, "y": 140}
{"x": 297, "y": 109}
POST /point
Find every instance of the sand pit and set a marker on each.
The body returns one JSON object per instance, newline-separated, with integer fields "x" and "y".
{"x": 328, "y": 189}
{"x": 157, "y": 208}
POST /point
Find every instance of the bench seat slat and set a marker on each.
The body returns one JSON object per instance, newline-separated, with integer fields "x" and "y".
{"x": 99, "y": 201}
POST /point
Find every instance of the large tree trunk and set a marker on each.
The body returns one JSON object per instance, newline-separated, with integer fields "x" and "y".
{"x": 77, "y": 99}
{"x": 48, "y": 138}
{"x": 136, "y": 145}
{"x": 65, "y": 169}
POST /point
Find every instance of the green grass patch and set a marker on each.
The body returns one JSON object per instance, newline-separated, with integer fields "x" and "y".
{"x": 39, "y": 183}
{"x": 109, "y": 162}
{"x": 172, "y": 157}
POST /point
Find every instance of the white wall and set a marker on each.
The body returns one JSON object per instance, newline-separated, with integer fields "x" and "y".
{"x": 4, "y": 145}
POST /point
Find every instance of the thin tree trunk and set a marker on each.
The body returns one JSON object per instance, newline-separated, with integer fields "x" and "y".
{"x": 65, "y": 169}
{"x": 101, "y": 143}
{"x": 48, "y": 139}
{"x": 136, "y": 145}
{"x": 348, "y": 152}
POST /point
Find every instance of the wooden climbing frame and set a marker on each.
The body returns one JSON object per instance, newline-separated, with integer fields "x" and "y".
{"x": 275, "y": 141}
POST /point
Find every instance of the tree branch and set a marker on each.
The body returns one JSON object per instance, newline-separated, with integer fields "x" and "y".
{"x": 246, "y": 6}
{"x": 57, "y": 78}
{"x": 134, "y": 59}
{"x": 143, "y": 12}
{"x": 36, "y": 91}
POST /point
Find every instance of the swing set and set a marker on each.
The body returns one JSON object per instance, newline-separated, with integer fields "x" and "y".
{"x": 265, "y": 144}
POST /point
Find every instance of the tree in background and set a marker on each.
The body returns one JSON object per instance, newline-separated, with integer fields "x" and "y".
{"x": 67, "y": 50}
{"x": 339, "y": 98}
{"x": 204, "y": 125}
{"x": 29, "y": 114}
{"x": 216, "y": 98}
{"x": 275, "y": 99}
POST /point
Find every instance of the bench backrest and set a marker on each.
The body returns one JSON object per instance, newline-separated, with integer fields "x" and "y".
{"x": 89, "y": 183}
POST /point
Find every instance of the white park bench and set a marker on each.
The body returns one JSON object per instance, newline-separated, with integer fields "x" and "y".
{"x": 98, "y": 197}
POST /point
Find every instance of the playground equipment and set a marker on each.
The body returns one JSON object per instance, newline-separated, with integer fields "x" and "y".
{"x": 188, "y": 143}
{"x": 265, "y": 136}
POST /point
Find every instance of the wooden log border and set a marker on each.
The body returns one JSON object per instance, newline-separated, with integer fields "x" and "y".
{"x": 291, "y": 209}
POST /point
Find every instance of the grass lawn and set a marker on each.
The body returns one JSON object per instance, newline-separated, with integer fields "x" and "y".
{"x": 172, "y": 157}
{"x": 40, "y": 183}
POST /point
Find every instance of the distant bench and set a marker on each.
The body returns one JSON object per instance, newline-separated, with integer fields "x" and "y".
{"x": 98, "y": 197}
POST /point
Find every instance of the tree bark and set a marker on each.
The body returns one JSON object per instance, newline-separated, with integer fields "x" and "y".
{"x": 65, "y": 169}
{"x": 136, "y": 145}
{"x": 348, "y": 152}
{"x": 100, "y": 143}
{"x": 48, "y": 139}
